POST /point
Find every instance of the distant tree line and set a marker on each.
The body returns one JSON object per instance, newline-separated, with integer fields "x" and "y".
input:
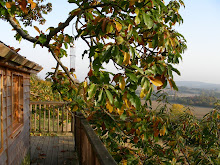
{"x": 201, "y": 100}
{"x": 196, "y": 91}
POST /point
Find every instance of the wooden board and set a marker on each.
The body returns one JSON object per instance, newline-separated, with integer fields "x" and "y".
{"x": 53, "y": 150}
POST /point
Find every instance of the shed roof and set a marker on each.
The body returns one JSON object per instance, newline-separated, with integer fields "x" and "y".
{"x": 12, "y": 59}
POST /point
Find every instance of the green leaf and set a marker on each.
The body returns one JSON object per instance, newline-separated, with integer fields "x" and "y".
{"x": 174, "y": 85}
{"x": 107, "y": 55}
{"x": 92, "y": 90}
{"x": 149, "y": 92}
{"x": 132, "y": 76}
{"x": 42, "y": 38}
{"x": 148, "y": 21}
{"x": 155, "y": 41}
{"x": 66, "y": 46}
{"x": 137, "y": 68}
{"x": 119, "y": 40}
{"x": 132, "y": 50}
{"x": 109, "y": 95}
{"x": 117, "y": 102}
{"x": 100, "y": 96}
{"x": 115, "y": 51}
{"x": 137, "y": 20}
{"x": 134, "y": 99}
{"x": 123, "y": 117}
{"x": 175, "y": 70}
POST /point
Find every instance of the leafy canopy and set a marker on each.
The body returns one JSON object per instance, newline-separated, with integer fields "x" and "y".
{"x": 139, "y": 38}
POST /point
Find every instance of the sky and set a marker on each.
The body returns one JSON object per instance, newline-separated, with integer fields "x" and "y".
{"x": 201, "y": 28}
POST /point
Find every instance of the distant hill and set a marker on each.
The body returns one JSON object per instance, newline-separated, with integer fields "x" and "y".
{"x": 197, "y": 84}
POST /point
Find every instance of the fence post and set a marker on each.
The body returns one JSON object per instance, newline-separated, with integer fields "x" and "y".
{"x": 39, "y": 117}
{"x": 72, "y": 123}
{"x": 62, "y": 117}
{"x": 48, "y": 118}
{"x": 77, "y": 134}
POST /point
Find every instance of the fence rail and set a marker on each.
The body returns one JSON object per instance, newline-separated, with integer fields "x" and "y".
{"x": 89, "y": 147}
{"x": 51, "y": 117}
{"x": 57, "y": 117}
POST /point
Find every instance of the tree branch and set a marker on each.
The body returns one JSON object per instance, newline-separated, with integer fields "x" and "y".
{"x": 56, "y": 69}
{"x": 59, "y": 28}
{"x": 63, "y": 67}
{"x": 20, "y": 30}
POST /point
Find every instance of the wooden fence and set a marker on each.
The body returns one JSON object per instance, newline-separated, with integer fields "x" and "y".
{"x": 89, "y": 147}
{"x": 57, "y": 117}
{"x": 51, "y": 117}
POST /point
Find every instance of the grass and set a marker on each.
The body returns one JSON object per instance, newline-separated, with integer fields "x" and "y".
{"x": 26, "y": 160}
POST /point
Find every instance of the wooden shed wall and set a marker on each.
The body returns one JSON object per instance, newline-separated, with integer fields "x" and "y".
{"x": 15, "y": 144}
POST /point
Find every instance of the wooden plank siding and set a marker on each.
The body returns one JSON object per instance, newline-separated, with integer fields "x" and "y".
{"x": 15, "y": 142}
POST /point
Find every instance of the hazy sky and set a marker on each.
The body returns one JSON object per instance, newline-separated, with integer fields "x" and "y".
{"x": 201, "y": 28}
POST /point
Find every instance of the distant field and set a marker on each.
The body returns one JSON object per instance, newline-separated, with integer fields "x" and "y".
{"x": 199, "y": 112}
{"x": 186, "y": 95}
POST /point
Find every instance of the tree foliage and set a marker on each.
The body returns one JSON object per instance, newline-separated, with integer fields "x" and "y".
{"x": 139, "y": 38}
{"x": 41, "y": 90}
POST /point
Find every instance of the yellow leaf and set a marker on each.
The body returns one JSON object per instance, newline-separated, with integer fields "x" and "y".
{"x": 36, "y": 28}
{"x": 142, "y": 136}
{"x": 75, "y": 108}
{"x": 75, "y": 76}
{"x": 120, "y": 111}
{"x": 76, "y": 12}
{"x": 126, "y": 103}
{"x": 109, "y": 28}
{"x": 172, "y": 42}
{"x": 65, "y": 99}
{"x": 137, "y": 120}
{"x": 118, "y": 26}
{"x": 137, "y": 20}
{"x": 33, "y": 5}
{"x": 124, "y": 162}
{"x": 109, "y": 107}
{"x": 8, "y": 5}
{"x": 156, "y": 82}
{"x": 122, "y": 83}
{"x": 150, "y": 44}
{"x": 126, "y": 58}
{"x": 142, "y": 94}
{"x": 163, "y": 131}
{"x": 85, "y": 84}
{"x": 136, "y": 11}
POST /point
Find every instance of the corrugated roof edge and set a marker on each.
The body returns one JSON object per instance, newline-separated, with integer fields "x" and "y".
{"x": 12, "y": 58}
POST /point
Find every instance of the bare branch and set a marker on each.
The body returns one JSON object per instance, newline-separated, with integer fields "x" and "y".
{"x": 20, "y": 30}
{"x": 59, "y": 28}
{"x": 56, "y": 69}
{"x": 63, "y": 67}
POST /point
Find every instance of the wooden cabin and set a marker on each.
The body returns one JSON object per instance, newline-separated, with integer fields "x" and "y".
{"x": 15, "y": 73}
